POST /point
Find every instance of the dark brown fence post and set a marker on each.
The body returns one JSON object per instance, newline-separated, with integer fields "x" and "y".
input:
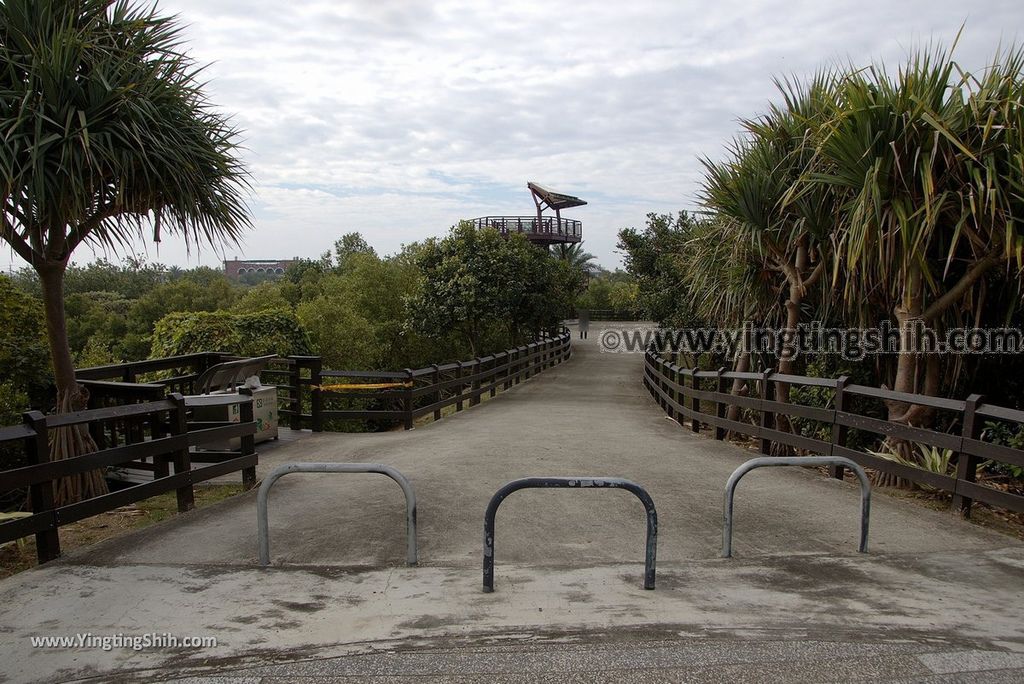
{"x": 694, "y": 401}
{"x": 460, "y": 386}
{"x": 720, "y": 405}
{"x": 37, "y": 448}
{"x": 649, "y": 363}
{"x": 659, "y": 382}
{"x": 673, "y": 393}
{"x": 207, "y": 360}
{"x": 474, "y": 399}
{"x": 767, "y": 417}
{"x": 436, "y": 379}
{"x": 492, "y": 378}
{"x": 407, "y": 399}
{"x": 967, "y": 465}
{"x": 316, "y": 397}
{"x": 161, "y": 467}
{"x": 131, "y": 428}
{"x": 838, "y": 432}
{"x": 295, "y": 393}
{"x": 248, "y": 442}
{"x": 661, "y": 385}
{"x": 182, "y": 461}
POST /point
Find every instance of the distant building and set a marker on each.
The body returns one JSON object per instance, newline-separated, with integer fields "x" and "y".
{"x": 235, "y": 268}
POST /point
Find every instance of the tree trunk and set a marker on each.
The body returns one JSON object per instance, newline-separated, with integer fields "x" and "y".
{"x": 789, "y": 351}
{"x": 739, "y": 386}
{"x": 906, "y": 363}
{"x": 74, "y": 440}
{"x": 908, "y": 317}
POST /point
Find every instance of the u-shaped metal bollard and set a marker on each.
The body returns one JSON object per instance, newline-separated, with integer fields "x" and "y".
{"x": 771, "y": 461}
{"x": 572, "y": 482}
{"x": 263, "y": 524}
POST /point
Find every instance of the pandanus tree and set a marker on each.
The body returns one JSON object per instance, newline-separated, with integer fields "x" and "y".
{"x": 106, "y": 135}
{"x": 753, "y": 192}
{"x": 730, "y": 285}
{"x": 577, "y": 258}
{"x": 931, "y": 161}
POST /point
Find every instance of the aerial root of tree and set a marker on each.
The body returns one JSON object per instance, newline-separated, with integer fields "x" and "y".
{"x": 70, "y": 441}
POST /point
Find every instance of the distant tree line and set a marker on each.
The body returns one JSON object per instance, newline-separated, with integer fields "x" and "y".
{"x": 444, "y": 299}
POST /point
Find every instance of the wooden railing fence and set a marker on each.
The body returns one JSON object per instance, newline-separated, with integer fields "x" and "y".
{"x": 702, "y": 397}
{"x": 159, "y": 436}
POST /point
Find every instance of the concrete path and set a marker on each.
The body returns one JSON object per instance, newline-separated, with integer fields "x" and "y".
{"x": 935, "y": 597}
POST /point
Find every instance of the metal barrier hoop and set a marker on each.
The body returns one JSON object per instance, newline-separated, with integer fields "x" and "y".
{"x": 571, "y": 482}
{"x": 263, "y": 525}
{"x": 771, "y": 461}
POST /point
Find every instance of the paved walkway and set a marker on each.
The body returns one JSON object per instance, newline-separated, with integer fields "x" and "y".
{"x": 935, "y": 597}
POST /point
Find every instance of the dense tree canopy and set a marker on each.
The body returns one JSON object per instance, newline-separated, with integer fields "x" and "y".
{"x": 495, "y": 291}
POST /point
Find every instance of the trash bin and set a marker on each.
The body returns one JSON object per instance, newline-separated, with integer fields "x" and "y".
{"x": 264, "y": 411}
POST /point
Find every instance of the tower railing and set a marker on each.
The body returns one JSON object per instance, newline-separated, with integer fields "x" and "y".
{"x": 548, "y": 228}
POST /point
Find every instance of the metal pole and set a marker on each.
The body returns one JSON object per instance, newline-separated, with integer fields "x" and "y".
{"x": 571, "y": 482}
{"x": 767, "y": 462}
{"x": 263, "y": 526}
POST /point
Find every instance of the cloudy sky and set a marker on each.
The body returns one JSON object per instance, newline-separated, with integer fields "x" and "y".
{"x": 397, "y": 118}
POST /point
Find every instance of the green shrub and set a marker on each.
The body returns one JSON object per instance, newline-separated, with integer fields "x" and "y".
{"x": 1009, "y": 435}
{"x": 244, "y": 334}
{"x": 859, "y": 373}
{"x": 12, "y": 454}
{"x": 24, "y": 355}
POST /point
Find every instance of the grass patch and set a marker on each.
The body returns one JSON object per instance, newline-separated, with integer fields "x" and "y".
{"x": 15, "y": 558}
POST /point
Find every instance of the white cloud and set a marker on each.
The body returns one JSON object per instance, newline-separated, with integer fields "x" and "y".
{"x": 398, "y": 118}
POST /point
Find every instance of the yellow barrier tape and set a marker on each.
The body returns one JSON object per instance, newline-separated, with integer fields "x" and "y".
{"x": 364, "y": 386}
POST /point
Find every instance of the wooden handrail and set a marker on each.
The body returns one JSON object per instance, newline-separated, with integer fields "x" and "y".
{"x": 664, "y": 381}
{"x": 168, "y": 442}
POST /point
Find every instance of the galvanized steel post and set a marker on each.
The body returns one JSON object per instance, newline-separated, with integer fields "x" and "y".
{"x": 571, "y": 482}
{"x": 263, "y": 526}
{"x": 767, "y": 462}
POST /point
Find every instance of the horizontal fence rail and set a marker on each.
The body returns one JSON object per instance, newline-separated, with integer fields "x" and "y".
{"x": 702, "y": 397}
{"x": 407, "y": 395}
{"x": 262, "y": 518}
{"x": 162, "y": 439}
{"x": 561, "y": 229}
{"x": 598, "y": 315}
{"x": 312, "y": 397}
{"x": 139, "y": 381}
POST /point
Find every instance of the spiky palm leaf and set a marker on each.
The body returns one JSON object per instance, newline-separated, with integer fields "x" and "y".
{"x": 577, "y": 258}
{"x": 928, "y": 158}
